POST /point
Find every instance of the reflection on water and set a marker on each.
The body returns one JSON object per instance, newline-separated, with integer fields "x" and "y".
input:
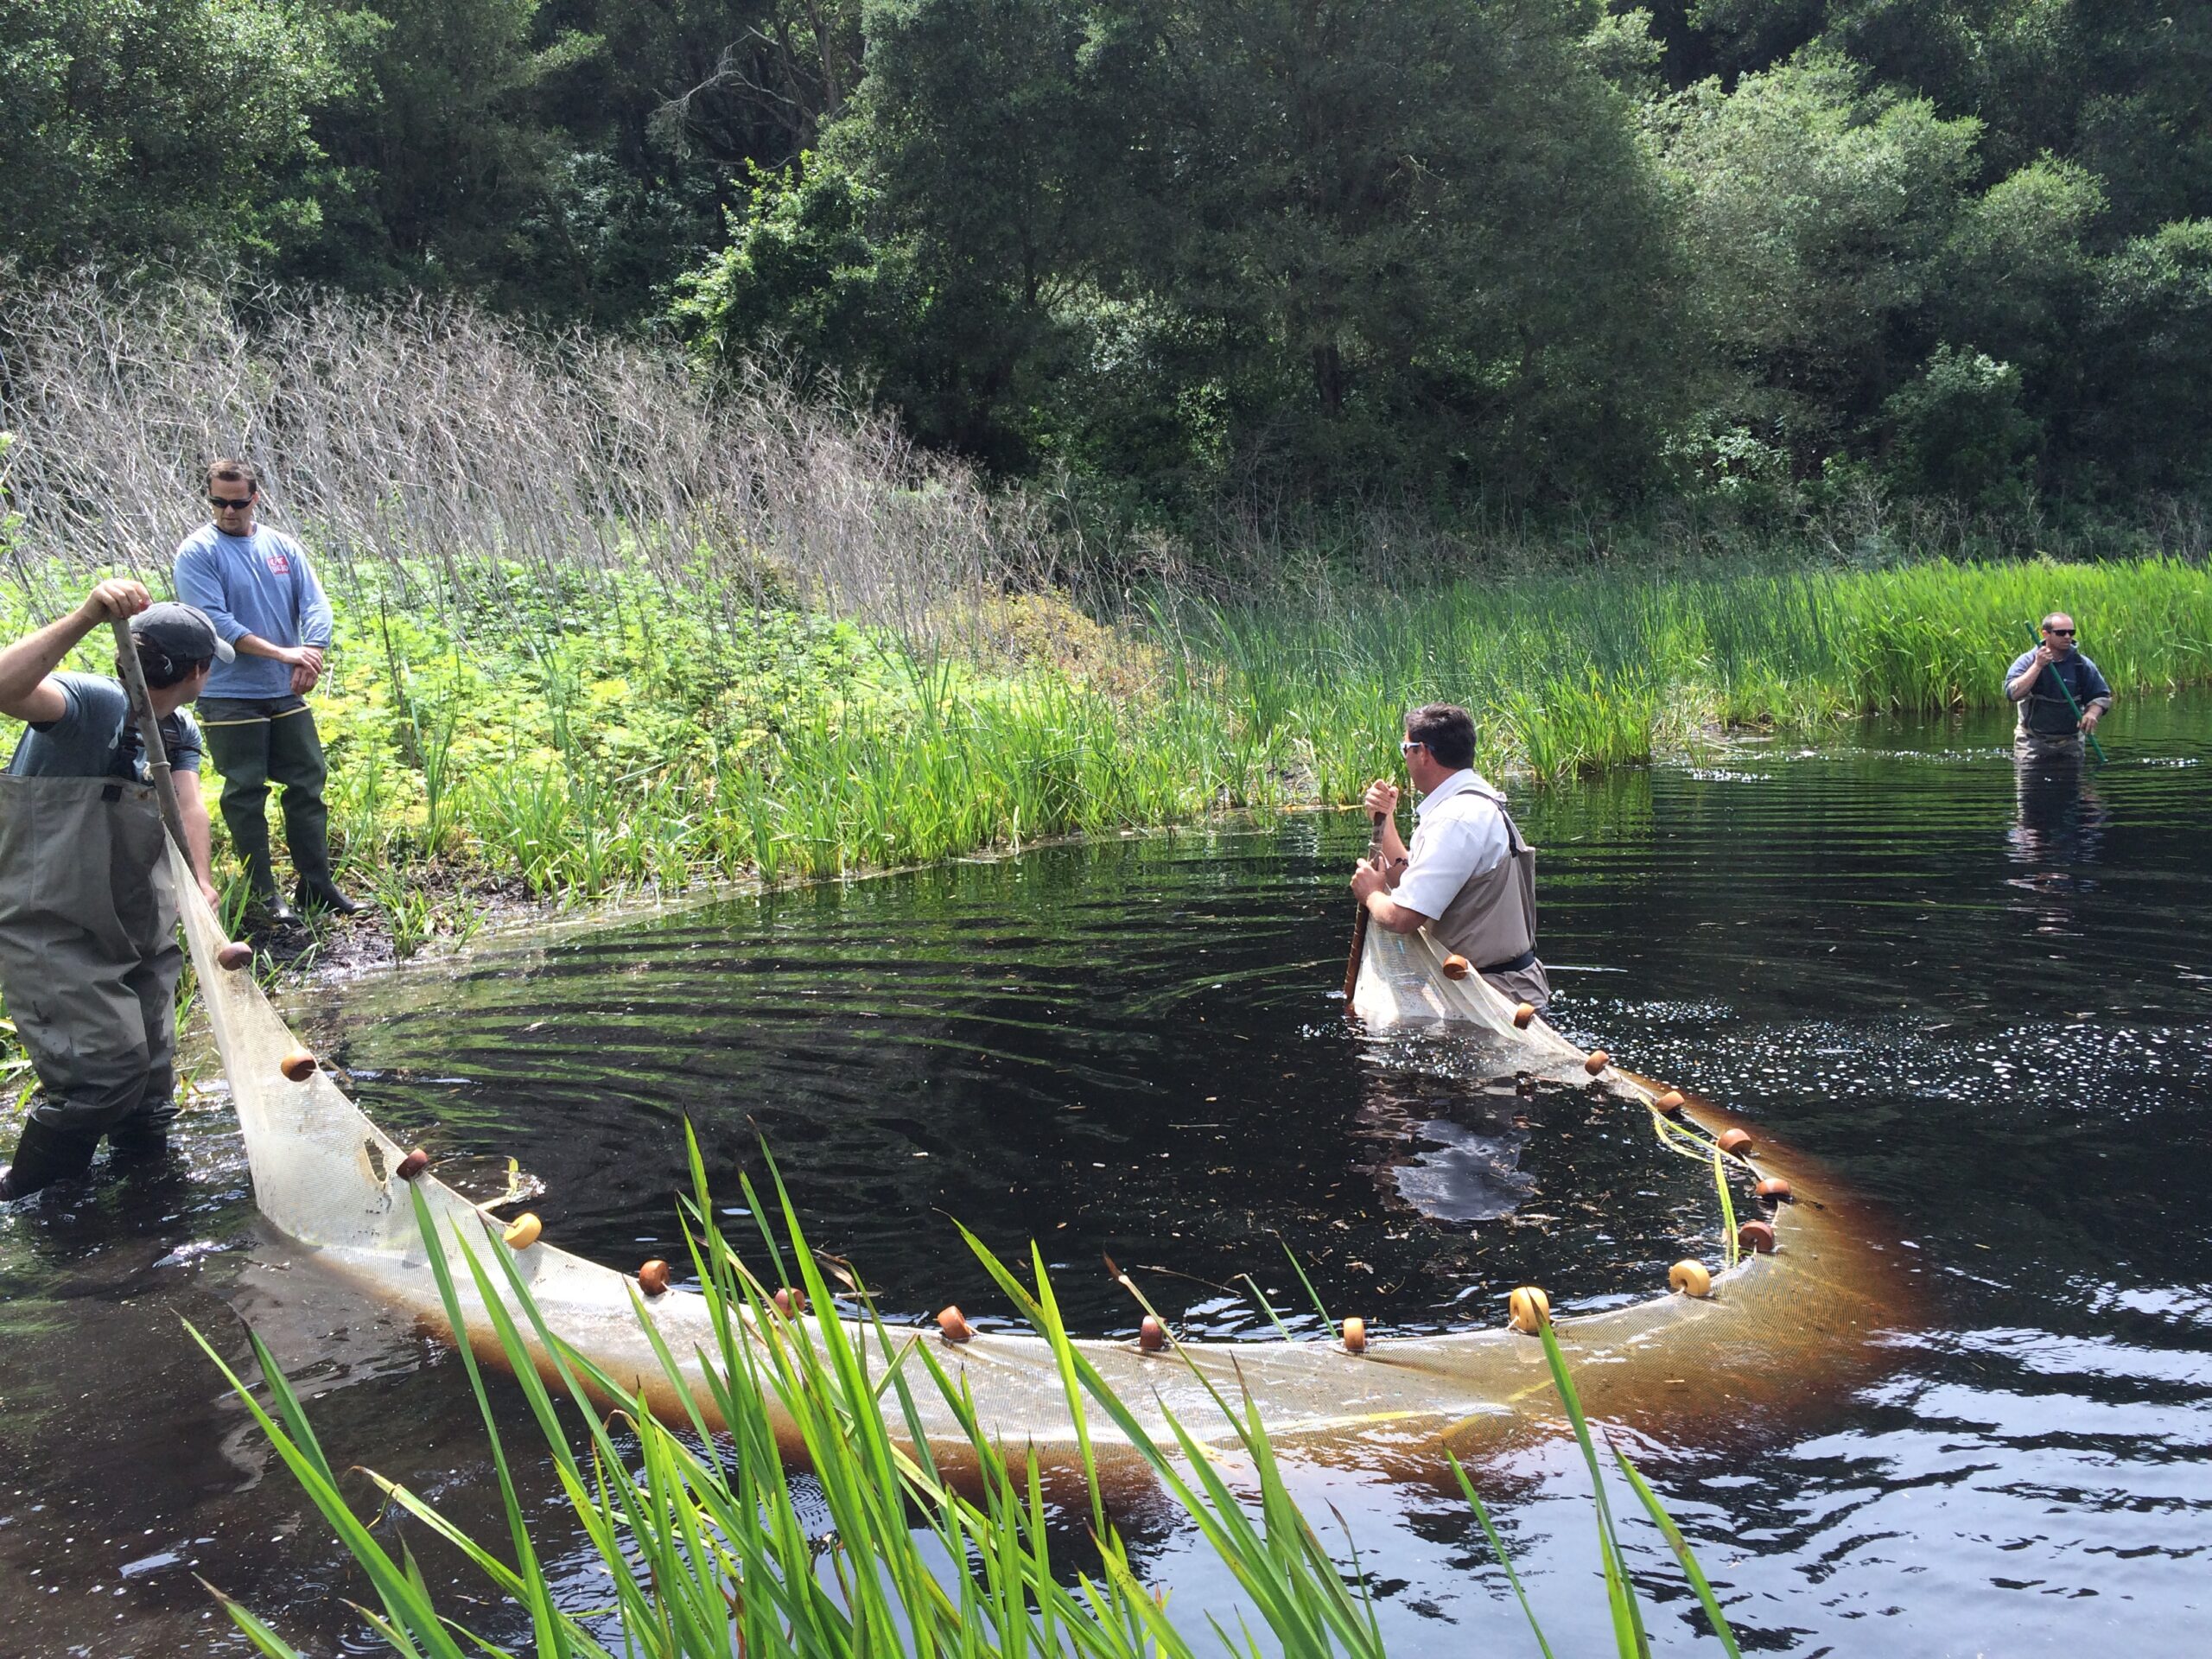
{"x": 1980, "y": 991}
{"x": 2062, "y": 815}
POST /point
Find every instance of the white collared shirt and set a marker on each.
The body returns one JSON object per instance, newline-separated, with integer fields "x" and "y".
{"x": 1459, "y": 835}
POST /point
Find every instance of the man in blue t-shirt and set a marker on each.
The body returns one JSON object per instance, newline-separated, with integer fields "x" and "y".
{"x": 89, "y": 957}
{"x": 256, "y": 585}
{"x": 2047, "y": 719}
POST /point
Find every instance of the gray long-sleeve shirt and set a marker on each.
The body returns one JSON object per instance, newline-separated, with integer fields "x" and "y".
{"x": 259, "y": 584}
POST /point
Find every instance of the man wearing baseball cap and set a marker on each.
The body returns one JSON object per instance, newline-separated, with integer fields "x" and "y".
{"x": 89, "y": 957}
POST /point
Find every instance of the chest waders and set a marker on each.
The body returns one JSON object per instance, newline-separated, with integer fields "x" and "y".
{"x": 89, "y": 957}
{"x": 89, "y": 961}
{"x": 1492, "y": 921}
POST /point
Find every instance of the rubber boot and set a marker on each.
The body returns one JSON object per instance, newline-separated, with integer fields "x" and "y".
{"x": 143, "y": 1136}
{"x": 306, "y": 835}
{"x": 45, "y": 1155}
{"x": 326, "y": 895}
{"x": 251, "y": 843}
{"x": 295, "y": 761}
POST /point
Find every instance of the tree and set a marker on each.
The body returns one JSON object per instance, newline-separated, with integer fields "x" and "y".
{"x": 2151, "y": 421}
{"x": 1818, "y": 210}
{"x": 1408, "y": 245}
{"x": 442, "y": 160}
{"x": 163, "y": 127}
{"x": 1957, "y": 429}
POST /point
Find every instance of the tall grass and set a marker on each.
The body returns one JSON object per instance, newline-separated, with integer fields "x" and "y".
{"x": 591, "y": 740}
{"x": 861, "y": 754}
{"x": 1569, "y": 674}
{"x": 428, "y": 441}
{"x": 931, "y": 1547}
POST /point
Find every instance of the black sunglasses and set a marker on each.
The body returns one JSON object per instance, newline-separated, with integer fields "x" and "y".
{"x": 2063, "y": 633}
{"x": 223, "y": 502}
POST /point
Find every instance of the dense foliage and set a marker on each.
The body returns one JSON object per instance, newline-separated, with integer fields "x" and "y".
{"x": 1518, "y": 253}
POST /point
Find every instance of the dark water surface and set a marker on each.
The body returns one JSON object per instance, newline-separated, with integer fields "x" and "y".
{"x": 1983, "y": 998}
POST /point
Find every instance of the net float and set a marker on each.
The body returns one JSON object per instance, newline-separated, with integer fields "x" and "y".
{"x": 521, "y": 1232}
{"x": 234, "y": 956}
{"x": 1736, "y": 1141}
{"x": 1456, "y": 967}
{"x": 953, "y": 1325}
{"x": 298, "y": 1066}
{"x": 1775, "y": 1190}
{"x": 1690, "y": 1279}
{"x": 1354, "y": 1331}
{"x": 412, "y": 1165}
{"x": 791, "y": 1303}
{"x": 1152, "y": 1335}
{"x": 1756, "y": 1235}
{"x": 1671, "y": 1102}
{"x": 1528, "y": 1310}
{"x": 652, "y": 1278}
{"x": 1597, "y": 1061}
{"x": 1525, "y": 1015}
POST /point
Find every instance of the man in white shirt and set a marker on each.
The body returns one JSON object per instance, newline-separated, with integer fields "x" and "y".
{"x": 1468, "y": 877}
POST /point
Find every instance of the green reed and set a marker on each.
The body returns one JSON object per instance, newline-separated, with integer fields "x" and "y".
{"x": 932, "y": 1546}
{"x": 1572, "y": 673}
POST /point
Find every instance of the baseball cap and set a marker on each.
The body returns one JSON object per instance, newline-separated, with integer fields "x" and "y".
{"x": 181, "y": 633}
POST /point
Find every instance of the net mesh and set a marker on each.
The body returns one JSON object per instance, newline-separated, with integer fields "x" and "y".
{"x": 322, "y": 1170}
{"x": 1784, "y": 1329}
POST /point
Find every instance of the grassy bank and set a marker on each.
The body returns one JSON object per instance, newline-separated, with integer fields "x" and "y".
{"x": 638, "y": 743}
{"x": 1571, "y": 674}
{"x": 620, "y": 735}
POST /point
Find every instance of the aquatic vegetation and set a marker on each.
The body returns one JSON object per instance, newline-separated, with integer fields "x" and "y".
{"x": 615, "y": 732}
{"x": 930, "y": 1547}
{"x": 1572, "y": 673}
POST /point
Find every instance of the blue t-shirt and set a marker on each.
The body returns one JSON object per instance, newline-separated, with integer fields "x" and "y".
{"x": 259, "y": 584}
{"x": 2043, "y": 711}
{"x": 97, "y": 738}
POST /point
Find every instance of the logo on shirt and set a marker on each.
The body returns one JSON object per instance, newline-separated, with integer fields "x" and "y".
{"x": 279, "y": 564}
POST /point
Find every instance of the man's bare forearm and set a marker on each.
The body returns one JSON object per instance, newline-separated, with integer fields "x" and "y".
{"x": 25, "y": 664}
{"x": 1388, "y": 912}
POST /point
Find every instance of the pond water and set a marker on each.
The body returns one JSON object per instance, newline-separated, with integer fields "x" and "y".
{"x": 1983, "y": 997}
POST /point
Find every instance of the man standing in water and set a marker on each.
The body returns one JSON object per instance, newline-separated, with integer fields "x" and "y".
{"x": 256, "y": 585}
{"x": 1468, "y": 877}
{"x": 2039, "y": 681}
{"x": 89, "y": 956}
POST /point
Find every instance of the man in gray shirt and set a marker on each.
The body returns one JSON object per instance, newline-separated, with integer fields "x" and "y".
{"x": 2059, "y": 693}
{"x": 89, "y": 958}
{"x": 256, "y": 585}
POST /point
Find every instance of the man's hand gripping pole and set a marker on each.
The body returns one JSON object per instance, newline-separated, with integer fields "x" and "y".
{"x": 2067, "y": 691}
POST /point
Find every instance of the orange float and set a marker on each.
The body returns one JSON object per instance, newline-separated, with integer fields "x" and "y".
{"x": 1528, "y": 1310}
{"x": 1690, "y": 1279}
{"x": 521, "y": 1232}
